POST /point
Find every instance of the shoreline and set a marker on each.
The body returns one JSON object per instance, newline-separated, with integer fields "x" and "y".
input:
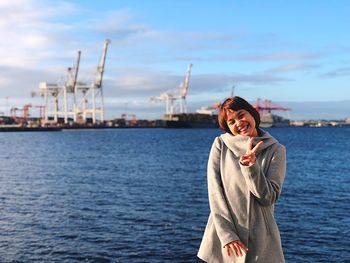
{"x": 59, "y": 129}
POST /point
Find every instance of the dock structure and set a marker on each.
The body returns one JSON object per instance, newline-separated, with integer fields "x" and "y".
{"x": 74, "y": 99}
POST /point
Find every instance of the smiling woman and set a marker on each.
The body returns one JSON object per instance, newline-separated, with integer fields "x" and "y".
{"x": 246, "y": 170}
{"x": 237, "y": 116}
{"x": 241, "y": 122}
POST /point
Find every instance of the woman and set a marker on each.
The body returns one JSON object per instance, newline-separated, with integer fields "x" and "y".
{"x": 246, "y": 169}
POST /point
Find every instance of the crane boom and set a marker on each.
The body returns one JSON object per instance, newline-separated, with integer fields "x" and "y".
{"x": 100, "y": 68}
{"x": 265, "y": 105}
{"x": 184, "y": 86}
{"x": 170, "y": 98}
{"x": 76, "y": 72}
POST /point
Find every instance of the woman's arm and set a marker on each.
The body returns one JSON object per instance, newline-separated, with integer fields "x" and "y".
{"x": 266, "y": 187}
{"x": 220, "y": 213}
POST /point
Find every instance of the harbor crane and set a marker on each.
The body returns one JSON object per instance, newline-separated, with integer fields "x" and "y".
{"x": 233, "y": 91}
{"x": 95, "y": 90}
{"x": 23, "y": 118}
{"x": 265, "y": 106}
{"x": 53, "y": 92}
{"x": 267, "y": 118}
{"x": 170, "y": 98}
{"x": 71, "y": 98}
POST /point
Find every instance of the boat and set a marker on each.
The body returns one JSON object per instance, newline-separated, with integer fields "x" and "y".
{"x": 207, "y": 117}
{"x": 268, "y": 120}
{"x": 191, "y": 120}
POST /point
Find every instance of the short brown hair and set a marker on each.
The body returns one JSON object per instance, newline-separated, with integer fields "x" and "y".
{"x": 236, "y": 103}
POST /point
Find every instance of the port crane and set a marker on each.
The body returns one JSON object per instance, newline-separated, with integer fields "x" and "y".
{"x": 170, "y": 98}
{"x": 26, "y": 108}
{"x": 13, "y": 112}
{"x": 57, "y": 97}
{"x": 25, "y": 112}
{"x": 71, "y": 98}
{"x": 265, "y": 106}
{"x": 94, "y": 90}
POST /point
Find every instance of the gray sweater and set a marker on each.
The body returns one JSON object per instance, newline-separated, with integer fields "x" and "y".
{"x": 242, "y": 199}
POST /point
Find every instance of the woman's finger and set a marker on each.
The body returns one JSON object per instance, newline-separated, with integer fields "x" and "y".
{"x": 250, "y": 144}
{"x": 247, "y": 160}
{"x": 234, "y": 249}
{"x": 255, "y": 149}
{"x": 244, "y": 162}
{"x": 242, "y": 245}
{"x": 239, "y": 250}
{"x": 244, "y": 157}
{"x": 228, "y": 250}
{"x": 250, "y": 157}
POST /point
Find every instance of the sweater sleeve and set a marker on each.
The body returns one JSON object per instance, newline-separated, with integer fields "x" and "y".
{"x": 267, "y": 187}
{"x": 220, "y": 213}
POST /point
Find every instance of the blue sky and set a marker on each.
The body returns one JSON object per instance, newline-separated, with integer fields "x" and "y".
{"x": 291, "y": 52}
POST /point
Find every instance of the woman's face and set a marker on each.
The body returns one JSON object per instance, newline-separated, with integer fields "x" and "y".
{"x": 241, "y": 122}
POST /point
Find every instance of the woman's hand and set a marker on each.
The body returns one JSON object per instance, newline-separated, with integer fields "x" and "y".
{"x": 236, "y": 246}
{"x": 249, "y": 158}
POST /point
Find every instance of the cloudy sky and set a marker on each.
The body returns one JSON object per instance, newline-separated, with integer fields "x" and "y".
{"x": 295, "y": 53}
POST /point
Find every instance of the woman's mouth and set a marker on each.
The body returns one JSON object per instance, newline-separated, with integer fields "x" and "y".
{"x": 244, "y": 128}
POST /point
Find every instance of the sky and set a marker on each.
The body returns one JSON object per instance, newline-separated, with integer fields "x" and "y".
{"x": 294, "y": 53}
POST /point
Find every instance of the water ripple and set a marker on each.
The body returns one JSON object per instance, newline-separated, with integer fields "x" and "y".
{"x": 140, "y": 195}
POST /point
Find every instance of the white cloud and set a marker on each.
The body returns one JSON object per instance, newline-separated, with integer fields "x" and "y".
{"x": 282, "y": 56}
{"x": 140, "y": 82}
{"x": 30, "y": 30}
{"x": 339, "y": 72}
{"x": 19, "y": 82}
{"x": 293, "y": 67}
{"x": 42, "y": 38}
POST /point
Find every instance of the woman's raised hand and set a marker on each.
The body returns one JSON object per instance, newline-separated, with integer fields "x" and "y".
{"x": 237, "y": 247}
{"x": 249, "y": 158}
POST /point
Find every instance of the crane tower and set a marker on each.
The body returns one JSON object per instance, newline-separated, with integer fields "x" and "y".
{"x": 58, "y": 97}
{"x": 171, "y": 98}
{"x": 90, "y": 96}
{"x": 74, "y": 98}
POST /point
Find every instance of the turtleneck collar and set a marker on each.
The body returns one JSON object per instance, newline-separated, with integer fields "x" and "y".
{"x": 239, "y": 144}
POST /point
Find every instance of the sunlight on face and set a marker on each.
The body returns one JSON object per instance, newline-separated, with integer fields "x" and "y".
{"x": 241, "y": 122}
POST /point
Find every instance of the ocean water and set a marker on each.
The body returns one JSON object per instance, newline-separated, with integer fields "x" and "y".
{"x": 140, "y": 195}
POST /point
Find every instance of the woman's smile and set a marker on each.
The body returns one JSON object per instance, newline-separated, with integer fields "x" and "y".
{"x": 241, "y": 122}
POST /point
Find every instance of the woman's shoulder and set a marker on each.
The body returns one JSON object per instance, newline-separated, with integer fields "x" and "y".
{"x": 278, "y": 148}
{"x": 281, "y": 147}
{"x": 217, "y": 141}
{"x": 264, "y": 135}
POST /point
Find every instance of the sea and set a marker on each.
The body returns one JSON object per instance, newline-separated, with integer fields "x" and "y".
{"x": 140, "y": 195}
